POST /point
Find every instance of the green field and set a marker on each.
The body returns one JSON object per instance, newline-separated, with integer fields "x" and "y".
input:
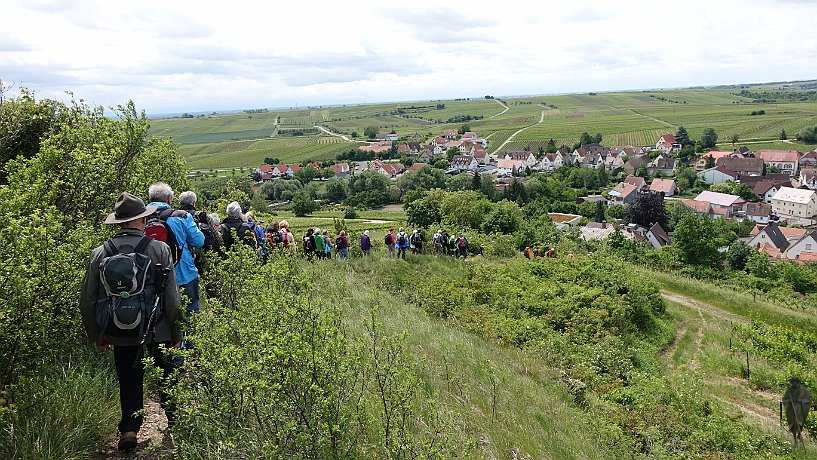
{"x": 623, "y": 118}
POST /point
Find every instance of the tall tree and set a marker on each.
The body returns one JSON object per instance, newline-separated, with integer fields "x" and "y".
{"x": 647, "y": 210}
{"x": 476, "y": 182}
{"x": 682, "y": 137}
{"x": 709, "y": 138}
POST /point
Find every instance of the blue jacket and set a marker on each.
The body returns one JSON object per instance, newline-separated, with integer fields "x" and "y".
{"x": 397, "y": 240}
{"x": 188, "y": 236}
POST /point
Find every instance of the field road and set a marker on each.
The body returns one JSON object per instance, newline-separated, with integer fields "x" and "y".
{"x": 500, "y": 113}
{"x": 326, "y": 131}
{"x": 541, "y": 119}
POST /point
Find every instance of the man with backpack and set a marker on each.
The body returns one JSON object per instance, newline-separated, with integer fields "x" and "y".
{"x": 389, "y": 241}
{"x": 309, "y": 244}
{"x": 234, "y": 227}
{"x": 461, "y": 247}
{"x": 128, "y": 312}
{"x": 184, "y": 236}
{"x": 401, "y": 243}
{"x": 416, "y": 241}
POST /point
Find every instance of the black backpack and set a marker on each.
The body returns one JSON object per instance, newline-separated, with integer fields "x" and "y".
{"x": 128, "y": 304}
{"x": 339, "y": 243}
{"x": 309, "y": 243}
{"x": 211, "y": 237}
{"x": 401, "y": 239}
{"x": 387, "y": 239}
{"x": 158, "y": 229}
{"x": 415, "y": 238}
{"x": 243, "y": 232}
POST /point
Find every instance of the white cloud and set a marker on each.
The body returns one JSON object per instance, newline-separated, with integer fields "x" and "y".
{"x": 187, "y": 55}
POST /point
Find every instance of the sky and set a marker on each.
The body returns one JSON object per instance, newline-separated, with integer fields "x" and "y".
{"x": 175, "y": 56}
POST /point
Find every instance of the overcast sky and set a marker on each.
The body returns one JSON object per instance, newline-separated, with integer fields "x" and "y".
{"x": 174, "y": 56}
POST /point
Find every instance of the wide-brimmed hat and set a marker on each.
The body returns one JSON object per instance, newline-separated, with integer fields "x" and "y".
{"x": 128, "y": 208}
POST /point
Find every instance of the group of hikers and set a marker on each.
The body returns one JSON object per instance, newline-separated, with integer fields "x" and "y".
{"x": 131, "y": 296}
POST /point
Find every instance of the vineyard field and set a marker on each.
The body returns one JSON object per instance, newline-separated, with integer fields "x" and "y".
{"x": 623, "y": 118}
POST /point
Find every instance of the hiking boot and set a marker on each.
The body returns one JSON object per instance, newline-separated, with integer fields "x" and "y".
{"x": 127, "y": 441}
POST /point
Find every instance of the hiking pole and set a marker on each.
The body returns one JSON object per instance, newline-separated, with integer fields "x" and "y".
{"x": 161, "y": 280}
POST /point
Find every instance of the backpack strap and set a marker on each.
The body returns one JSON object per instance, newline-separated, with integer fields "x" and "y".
{"x": 142, "y": 245}
{"x": 110, "y": 248}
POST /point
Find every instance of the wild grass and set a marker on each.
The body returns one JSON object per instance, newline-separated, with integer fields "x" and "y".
{"x": 62, "y": 413}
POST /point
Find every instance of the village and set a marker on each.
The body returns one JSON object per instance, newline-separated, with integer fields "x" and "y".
{"x": 785, "y": 181}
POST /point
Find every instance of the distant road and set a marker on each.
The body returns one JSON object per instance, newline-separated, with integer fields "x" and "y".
{"x": 500, "y": 113}
{"x": 333, "y": 134}
{"x": 541, "y": 119}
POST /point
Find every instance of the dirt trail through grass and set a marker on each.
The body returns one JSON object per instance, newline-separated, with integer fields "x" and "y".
{"x": 154, "y": 442}
{"x": 700, "y": 342}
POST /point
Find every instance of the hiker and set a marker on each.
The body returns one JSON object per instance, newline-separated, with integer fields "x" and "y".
{"x": 309, "y": 244}
{"x": 187, "y": 236}
{"x": 320, "y": 243}
{"x": 435, "y": 240}
{"x": 550, "y": 253}
{"x": 235, "y": 227}
{"x": 461, "y": 247}
{"x": 389, "y": 241}
{"x": 365, "y": 243}
{"x": 272, "y": 236}
{"x": 401, "y": 243}
{"x": 287, "y": 239}
{"x": 797, "y": 403}
{"x": 212, "y": 240}
{"x": 537, "y": 252}
{"x": 342, "y": 245}
{"x": 260, "y": 238}
{"x": 416, "y": 242}
{"x": 131, "y": 244}
{"x": 526, "y": 252}
{"x": 444, "y": 241}
{"x": 327, "y": 245}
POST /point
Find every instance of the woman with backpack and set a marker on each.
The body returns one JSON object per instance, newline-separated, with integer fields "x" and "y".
{"x": 365, "y": 243}
{"x": 317, "y": 237}
{"x": 342, "y": 245}
{"x": 389, "y": 241}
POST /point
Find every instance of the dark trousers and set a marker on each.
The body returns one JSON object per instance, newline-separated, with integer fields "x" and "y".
{"x": 131, "y": 383}
{"x": 401, "y": 252}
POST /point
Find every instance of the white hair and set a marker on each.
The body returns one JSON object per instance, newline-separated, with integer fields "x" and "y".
{"x": 159, "y": 191}
{"x": 214, "y": 219}
{"x": 234, "y": 210}
{"x": 187, "y": 198}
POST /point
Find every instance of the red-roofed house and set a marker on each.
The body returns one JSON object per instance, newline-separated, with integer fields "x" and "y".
{"x": 624, "y": 193}
{"x": 786, "y": 160}
{"x": 340, "y": 169}
{"x": 667, "y": 186}
{"x": 701, "y": 208}
{"x": 667, "y": 143}
{"x": 450, "y": 133}
{"x": 376, "y": 147}
{"x": 700, "y": 164}
{"x": 390, "y": 170}
{"x": 417, "y": 166}
{"x": 638, "y": 182}
{"x": 264, "y": 173}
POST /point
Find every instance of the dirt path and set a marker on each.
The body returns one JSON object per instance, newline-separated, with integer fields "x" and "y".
{"x": 154, "y": 442}
{"x": 541, "y": 119}
{"x": 500, "y": 113}
{"x": 326, "y": 131}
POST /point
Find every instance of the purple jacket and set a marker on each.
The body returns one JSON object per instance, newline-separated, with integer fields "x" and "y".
{"x": 365, "y": 242}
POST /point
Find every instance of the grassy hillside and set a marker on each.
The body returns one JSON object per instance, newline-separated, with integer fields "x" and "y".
{"x": 625, "y": 118}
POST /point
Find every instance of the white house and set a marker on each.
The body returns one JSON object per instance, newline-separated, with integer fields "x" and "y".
{"x": 462, "y": 163}
{"x": 718, "y": 175}
{"x": 765, "y": 190}
{"x": 667, "y": 144}
{"x": 795, "y": 202}
{"x": 508, "y": 167}
{"x": 803, "y": 250}
{"x": 808, "y": 177}
{"x": 787, "y": 161}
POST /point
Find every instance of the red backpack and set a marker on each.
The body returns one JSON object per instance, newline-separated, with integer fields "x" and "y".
{"x": 158, "y": 229}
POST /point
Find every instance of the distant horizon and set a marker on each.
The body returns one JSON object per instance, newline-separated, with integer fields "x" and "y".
{"x": 482, "y": 97}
